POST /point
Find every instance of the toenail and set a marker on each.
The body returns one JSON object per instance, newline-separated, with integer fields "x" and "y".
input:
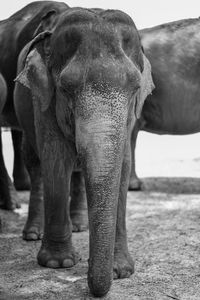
{"x": 52, "y": 264}
{"x": 67, "y": 263}
{"x": 31, "y": 236}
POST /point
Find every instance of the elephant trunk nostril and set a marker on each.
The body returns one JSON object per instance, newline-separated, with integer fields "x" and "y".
{"x": 99, "y": 285}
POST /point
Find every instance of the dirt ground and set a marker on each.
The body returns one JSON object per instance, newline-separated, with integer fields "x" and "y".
{"x": 163, "y": 233}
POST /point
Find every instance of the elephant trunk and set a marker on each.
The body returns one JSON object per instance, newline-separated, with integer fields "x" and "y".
{"x": 100, "y": 143}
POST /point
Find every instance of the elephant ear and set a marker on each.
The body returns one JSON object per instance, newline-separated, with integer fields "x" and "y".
{"x": 36, "y": 77}
{"x": 48, "y": 21}
{"x": 33, "y": 61}
{"x": 46, "y": 26}
{"x": 146, "y": 88}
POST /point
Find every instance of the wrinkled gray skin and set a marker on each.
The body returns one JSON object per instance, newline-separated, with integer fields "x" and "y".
{"x": 88, "y": 79}
{"x": 173, "y": 50}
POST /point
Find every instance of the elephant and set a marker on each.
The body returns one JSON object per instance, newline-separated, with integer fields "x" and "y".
{"x": 173, "y": 107}
{"x": 15, "y": 33}
{"x": 81, "y": 85}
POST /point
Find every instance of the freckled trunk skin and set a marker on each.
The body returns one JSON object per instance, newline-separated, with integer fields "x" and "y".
{"x": 102, "y": 156}
{"x": 102, "y": 208}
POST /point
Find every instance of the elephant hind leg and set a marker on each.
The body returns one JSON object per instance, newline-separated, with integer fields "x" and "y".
{"x": 8, "y": 196}
{"x": 78, "y": 205}
{"x": 34, "y": 225}
{"x": 20, "y": 174}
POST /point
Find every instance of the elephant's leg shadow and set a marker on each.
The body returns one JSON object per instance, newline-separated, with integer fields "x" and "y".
{"x": 34, "y": 225}
{"x": 78, "y": 205}
{"x": 123, "y": 262}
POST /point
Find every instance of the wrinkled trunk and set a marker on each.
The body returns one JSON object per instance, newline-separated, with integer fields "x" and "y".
{"x": 100, "y": 143}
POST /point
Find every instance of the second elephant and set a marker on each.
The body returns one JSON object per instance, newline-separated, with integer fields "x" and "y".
{"x": 173, "y": 50}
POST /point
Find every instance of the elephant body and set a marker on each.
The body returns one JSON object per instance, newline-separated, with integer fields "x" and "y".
{"x": 15, "y": 33}
{"x": 174, "y": 105}
{"x": 173, "y": 51}
{"x": 81, "y": 81}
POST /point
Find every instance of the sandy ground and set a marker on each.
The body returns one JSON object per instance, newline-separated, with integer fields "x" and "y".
{"x": 163, "y": 233}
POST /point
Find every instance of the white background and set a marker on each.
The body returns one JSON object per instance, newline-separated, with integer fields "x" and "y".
{"x": 145, "y": 13}
{"x": 156, "y": 156}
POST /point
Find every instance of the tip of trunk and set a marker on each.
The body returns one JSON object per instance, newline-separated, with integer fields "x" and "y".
{"x": 99, "y": 284}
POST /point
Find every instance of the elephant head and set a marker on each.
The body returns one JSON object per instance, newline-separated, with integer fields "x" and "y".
{"x": 90, "y": 70}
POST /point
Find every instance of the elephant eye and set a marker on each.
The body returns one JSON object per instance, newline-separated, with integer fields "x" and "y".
{"x": 127, "y": 43}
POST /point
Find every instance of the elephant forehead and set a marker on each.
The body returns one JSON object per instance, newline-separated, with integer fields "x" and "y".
{"x": 88, "y": 16}
{"x": 95, "y": 30}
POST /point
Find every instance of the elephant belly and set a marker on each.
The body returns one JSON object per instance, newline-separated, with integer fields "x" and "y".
{"x": 175, "y": 112}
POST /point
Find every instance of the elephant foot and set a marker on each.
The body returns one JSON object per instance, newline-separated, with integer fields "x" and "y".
{"x": 32, "y": 232}
{"x": 135, "y": 184}
{"x": 123, "y": 265}
{"x": 57, "y": 255}
{"x": 79, "y": 221}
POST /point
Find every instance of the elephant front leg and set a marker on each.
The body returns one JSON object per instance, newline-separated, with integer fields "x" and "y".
{"x": 57, "y": 250}
{"x": 134, "y": 183}
{"x": 20, "y": 174}
{"x": 78, "y": 205}
{"x": 33, "y": 228}
{"x": 123, "y": 262}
